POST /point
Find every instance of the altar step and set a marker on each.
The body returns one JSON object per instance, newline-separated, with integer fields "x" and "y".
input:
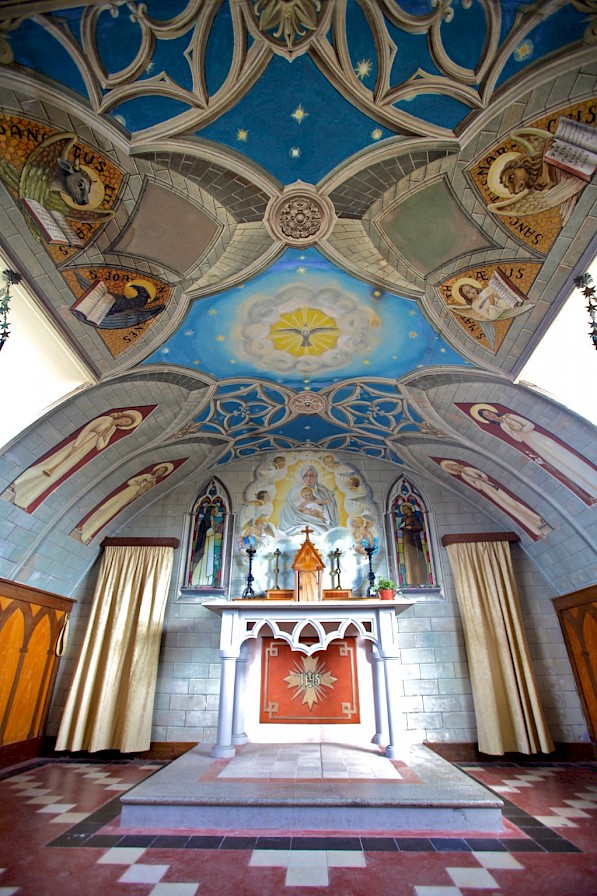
{"x": 275, "y": 788}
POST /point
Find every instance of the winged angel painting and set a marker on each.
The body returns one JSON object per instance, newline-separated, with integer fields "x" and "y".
{"x": 548, "y": 173}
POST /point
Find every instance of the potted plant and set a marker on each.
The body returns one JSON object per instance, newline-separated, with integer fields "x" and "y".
{"x": 386, "y": 589}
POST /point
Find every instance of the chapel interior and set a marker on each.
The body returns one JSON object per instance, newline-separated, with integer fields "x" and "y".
{"x": 287, "y": 263}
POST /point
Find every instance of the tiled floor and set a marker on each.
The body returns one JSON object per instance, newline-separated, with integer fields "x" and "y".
{"x": 308, "y": 761}
{"x": 60, "y": 836}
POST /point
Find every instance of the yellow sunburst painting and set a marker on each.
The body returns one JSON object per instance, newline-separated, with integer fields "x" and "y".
{"x": 305, "y": 331}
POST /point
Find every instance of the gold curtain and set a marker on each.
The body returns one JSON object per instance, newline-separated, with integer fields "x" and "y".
{"x": 507, "y": 707}
{"x": 110, "y": 703}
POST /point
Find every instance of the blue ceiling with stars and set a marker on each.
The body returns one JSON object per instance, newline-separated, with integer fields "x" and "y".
{"x": 259, "y": 162}
{"x": 293, "y": 122}
{"x": 394, "y": 335}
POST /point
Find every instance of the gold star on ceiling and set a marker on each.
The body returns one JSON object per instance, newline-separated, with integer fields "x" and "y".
{"x": 376, "y": 134}
{"x": 220, "y": 338}
{"x": 242, "y": 135}
{"x": 299, "y": 114}
{"x": 363, "y": 68}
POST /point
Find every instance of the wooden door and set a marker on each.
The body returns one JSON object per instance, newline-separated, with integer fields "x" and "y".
{"x": 577, "y": 613}
{"x": 32, "y": 626}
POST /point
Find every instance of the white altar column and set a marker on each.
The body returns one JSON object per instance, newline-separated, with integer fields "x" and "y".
{"x": 238, "y": 715}
{"x": 391, "y": 668}
{"x": 379, "y": 697}
{"x": 390, "y": 653}
{"x": 229, "y": 653}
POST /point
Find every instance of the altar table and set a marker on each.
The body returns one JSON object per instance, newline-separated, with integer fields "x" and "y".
{"x": 307, "y": 627}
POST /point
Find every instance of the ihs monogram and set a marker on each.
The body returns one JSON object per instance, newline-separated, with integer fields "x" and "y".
{"x": 309, "y": 678}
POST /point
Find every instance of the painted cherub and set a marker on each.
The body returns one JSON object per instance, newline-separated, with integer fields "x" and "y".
{"x": 362, "y": 533}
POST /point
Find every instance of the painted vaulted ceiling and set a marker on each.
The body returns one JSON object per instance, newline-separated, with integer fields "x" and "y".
{"x": 308, "y": 217}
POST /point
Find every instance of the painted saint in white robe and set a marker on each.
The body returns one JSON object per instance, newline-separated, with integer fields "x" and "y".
{"x": 40, "y": 478}
{"x": 542, "y": 446}
{"x": 517, "y": 510}
{"x": 108, "y": 509}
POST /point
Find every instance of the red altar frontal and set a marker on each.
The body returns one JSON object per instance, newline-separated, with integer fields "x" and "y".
{"x": 318, "y": 689}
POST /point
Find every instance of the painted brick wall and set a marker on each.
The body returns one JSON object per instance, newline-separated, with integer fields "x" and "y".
{"x": 436, "y": 696}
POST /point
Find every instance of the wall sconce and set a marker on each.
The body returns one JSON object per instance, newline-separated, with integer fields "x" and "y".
{"x": 584, "y": 283}
{"x": 11, "y": 278}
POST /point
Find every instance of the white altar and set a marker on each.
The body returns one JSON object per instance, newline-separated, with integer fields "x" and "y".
{"x": 292, "y": 621}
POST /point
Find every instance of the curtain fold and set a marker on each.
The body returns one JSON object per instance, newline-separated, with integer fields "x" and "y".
{"x": 507, "y": 706}
{"x": 110, "y": 702}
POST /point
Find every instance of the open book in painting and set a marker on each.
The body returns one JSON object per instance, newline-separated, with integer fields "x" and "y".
{"x": 52, "y": 224}
{"x": 93, "y": 305}
{"x": 508, "y": 294}
{"x": 574, "y": 148}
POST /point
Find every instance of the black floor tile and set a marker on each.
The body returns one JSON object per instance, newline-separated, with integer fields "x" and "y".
{"x": 71, "y": 839}
{"x": 379, "y": 844}
{"x": 512, "y": 811}
{"x": 528, "y": 822}
{"x": 449, "y": 844}
{"x": 414, "y": 844}
{"x": 239, "y": 843}
{"x": 103, "y": 841}
{"x": 137, "y": 840}
{"x": 273, "y": 843}
{"x": 343, "y": 843}
{"x": 308, "y": 843}
{"x": 485, "y": 844}
{"x": 560, "y": 846}
{"x": 85, "y": 827}
{"x": 171, "y": 841}
{"x": 203, "y": 841}
{"x": 515, "y": 845}
{"x": 545, "y": 835}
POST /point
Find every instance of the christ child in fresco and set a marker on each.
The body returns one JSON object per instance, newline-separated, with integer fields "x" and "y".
{"x": 310, "y": 504}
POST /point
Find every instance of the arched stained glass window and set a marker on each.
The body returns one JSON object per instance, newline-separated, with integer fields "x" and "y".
{"x": 410, "y": 528}
{"x": 206, "y": 563}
